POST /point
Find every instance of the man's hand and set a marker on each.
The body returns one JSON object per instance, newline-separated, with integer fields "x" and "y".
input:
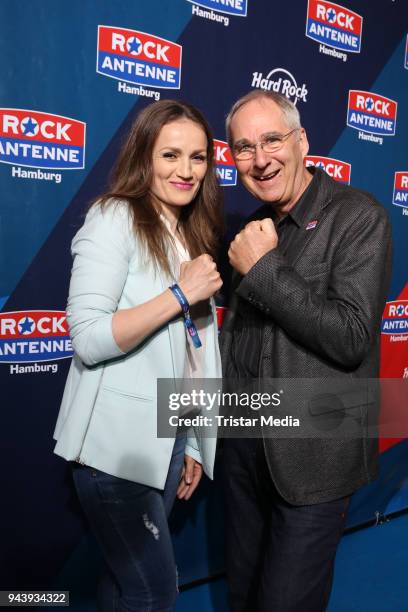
{"x": 256, "y": 239}
{"x": 190, "y": 477}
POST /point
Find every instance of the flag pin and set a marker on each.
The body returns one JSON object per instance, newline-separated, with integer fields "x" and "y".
{"x": 311, "y": 224}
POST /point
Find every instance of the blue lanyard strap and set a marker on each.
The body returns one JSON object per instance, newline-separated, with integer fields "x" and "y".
{"x": 188, "y": 321}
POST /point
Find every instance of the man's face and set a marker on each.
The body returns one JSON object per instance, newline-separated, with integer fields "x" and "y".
{"x": 280, "y": 177}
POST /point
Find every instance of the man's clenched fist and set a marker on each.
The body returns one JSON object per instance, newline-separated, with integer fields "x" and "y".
{"x": 256, "y": 239}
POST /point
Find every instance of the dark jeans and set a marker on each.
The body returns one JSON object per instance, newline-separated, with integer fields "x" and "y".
{"x": 279, "y": 557}
{"x": 129, "y": 521}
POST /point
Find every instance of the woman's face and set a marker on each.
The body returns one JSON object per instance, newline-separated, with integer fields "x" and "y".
{"x": 179, "y": 164}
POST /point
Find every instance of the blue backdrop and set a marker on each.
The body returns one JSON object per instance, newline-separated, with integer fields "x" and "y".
{"x": 67, "y": 97}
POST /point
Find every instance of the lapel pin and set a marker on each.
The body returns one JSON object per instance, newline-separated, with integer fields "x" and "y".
{"x": 311, "y": 224}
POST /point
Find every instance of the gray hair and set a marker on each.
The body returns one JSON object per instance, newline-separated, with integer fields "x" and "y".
{"x": 289, "y": 110}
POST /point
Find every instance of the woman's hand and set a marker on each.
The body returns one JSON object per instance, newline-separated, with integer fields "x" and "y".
{"x": 190, "y": 477}
{"x": 199, "y": 279}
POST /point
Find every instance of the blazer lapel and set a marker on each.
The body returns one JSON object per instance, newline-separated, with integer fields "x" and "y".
{"x": 301, "y": 239}
{"x": 311, "y": 220}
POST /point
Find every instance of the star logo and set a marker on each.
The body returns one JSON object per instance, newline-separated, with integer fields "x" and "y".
{"x": 25, "y": 325}
{"x": 134, "y": 46}
{"x": 369, "y": 104}
{"x": 29, "y": 126}
{"x": 320, "y": 164}
{"x": 400, "y": 310}
{"x": 331, "y": 15}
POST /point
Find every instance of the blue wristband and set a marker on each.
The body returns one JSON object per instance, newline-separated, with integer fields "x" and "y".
{"x": 188, "y": 322}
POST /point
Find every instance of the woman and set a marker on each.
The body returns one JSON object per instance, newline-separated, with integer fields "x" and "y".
{"x": 127, "y": 329}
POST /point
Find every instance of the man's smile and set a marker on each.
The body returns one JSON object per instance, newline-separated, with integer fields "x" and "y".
{"x": 266, "y": 177}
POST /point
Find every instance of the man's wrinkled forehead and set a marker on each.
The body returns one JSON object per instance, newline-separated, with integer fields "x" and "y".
{"x": 257, "y": 117}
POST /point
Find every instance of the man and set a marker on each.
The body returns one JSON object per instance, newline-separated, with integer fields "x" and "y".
{"x": 311, "y": 270}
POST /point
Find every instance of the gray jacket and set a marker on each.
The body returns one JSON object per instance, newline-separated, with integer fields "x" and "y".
{"x": 323, "y": 300}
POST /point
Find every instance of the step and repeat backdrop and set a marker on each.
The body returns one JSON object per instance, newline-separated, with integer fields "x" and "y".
{"x": 73, "y": 77}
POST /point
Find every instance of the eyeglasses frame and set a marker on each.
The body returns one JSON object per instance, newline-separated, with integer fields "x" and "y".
{"x": 262, "y": 144}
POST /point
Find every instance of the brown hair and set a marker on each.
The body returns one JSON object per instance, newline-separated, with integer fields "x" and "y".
{"x": 200, "y": 222}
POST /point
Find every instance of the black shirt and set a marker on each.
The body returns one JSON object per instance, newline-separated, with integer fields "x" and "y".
{"x": 248, "y": 329}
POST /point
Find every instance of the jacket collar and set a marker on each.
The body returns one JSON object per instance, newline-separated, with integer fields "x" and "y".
{"x": 320, "y": 197}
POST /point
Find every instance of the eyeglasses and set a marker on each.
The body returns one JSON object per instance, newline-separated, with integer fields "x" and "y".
{"x": 270, "y": 144}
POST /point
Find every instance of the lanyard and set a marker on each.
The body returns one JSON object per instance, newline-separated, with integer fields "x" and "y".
{"x": 188, "y": 321}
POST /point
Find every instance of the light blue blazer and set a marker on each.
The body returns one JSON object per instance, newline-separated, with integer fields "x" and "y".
{"x": 107, "y": 418}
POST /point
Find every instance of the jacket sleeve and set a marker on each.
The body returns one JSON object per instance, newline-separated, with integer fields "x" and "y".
{"x": 100, "y": 253}
{"x": 192, "y": 449}
{"x": 341, "y": 324}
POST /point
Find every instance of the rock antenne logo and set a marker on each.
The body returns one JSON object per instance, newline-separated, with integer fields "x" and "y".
{"x": 41, "y": 140}
{"x": 395, "y": 318}
{"x": 400, "y": 195}
{"x": 334, "y": 25}
{"x": 34, "y": 335}
{"x": 231, "y": 7}
{"x": 339, "y": 170}
{"x": 371, "y": 112}
{"x": 224, "y": 164}
{"x": 139, "y": 58}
